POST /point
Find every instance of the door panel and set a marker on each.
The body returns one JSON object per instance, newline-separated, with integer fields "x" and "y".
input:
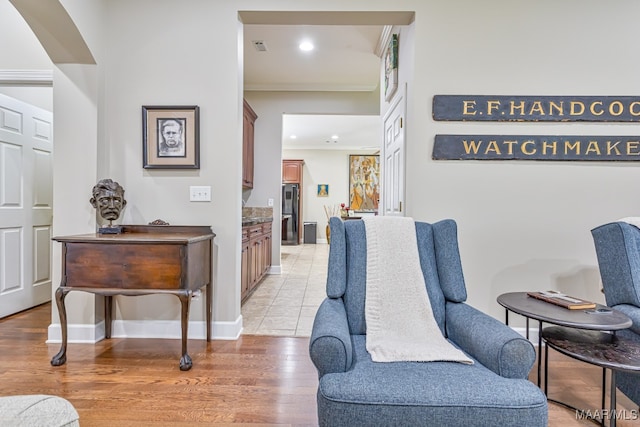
{"x": 26, "y": 199}
{"x": 11, "y": 171}
{"x": 393, "y": 152}
{"x": 11, "y": 245}
{"x": 42, "y": 255}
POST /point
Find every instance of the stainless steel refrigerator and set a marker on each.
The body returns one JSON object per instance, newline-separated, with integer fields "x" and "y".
{"x": 290, "y": 212}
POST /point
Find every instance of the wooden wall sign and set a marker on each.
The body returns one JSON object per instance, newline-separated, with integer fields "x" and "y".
{"x": 536, "y": 108}
{"x": 536, "y": 147}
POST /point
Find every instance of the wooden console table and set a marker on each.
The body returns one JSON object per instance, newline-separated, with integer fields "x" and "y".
{"x": 142, "y": 260}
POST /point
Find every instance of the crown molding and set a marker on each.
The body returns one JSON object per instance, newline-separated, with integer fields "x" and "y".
{"x": 310, "y": 87}
{"x": 383, "y": 41}
{"x": 26, "y": 77}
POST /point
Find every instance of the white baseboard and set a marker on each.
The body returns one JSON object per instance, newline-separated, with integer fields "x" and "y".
{"x": 169, "y": 329}
{"x": 76, "y": 333}
{"x": 275, "y": 269}
{"x": 225, "y": 330}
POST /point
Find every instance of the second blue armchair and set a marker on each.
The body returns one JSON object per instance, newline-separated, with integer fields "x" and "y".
{"x": 618, "y": 251}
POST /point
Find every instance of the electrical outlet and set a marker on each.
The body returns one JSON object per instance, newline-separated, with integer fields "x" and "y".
{"x": 270, "y": 202}
{"x": 200, "y": 193}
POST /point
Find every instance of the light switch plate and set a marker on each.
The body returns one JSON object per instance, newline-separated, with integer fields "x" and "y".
{"x": 200, "y": 193}
{"x": 270, "y": 202}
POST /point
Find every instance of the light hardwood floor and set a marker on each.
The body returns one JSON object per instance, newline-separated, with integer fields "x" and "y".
{"x": 258, "y": 380}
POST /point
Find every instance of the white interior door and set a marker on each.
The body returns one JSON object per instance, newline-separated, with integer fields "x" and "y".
{"x": 393, "y": 154}
{"x": 26, "y": 198}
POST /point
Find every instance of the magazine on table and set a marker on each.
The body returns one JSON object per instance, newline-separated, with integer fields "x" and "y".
{"x": 562, "y": 300}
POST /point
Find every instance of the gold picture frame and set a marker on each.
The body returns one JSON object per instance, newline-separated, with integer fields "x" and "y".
{"x": 171, "y": 137}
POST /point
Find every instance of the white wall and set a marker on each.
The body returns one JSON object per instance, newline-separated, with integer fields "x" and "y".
{"x": 21, "y": 57}
{"x": 173, "y": 67}
{"x": 522, "y": 225}
{"x": 20, "y": 49}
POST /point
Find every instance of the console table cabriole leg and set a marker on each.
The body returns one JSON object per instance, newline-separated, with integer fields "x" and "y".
{"x": 61, "y": 357}
{"x": 185, "y": 360}
{"x": 209, "y": 314}
{"x": 108, "y": 310}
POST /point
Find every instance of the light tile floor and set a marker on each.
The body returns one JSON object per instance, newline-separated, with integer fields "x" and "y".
{"x": 286, "y": 304}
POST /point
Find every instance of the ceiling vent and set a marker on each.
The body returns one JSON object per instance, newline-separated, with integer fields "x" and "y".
{"x": 259, "y": 45}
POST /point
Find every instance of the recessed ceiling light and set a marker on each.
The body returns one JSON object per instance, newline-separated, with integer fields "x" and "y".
{"x": 306, "y": 46}
{"x": 293, "y": 137}
{"x": 334, "y": 136}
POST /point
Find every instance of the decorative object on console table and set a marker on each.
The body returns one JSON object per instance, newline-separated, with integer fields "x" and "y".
{"x": 558, "y": 298}
{"x": 344, "y": 211}
{"x": 330, "y": 211}
{"x": 171, "y": 137}
{"x": 107, "y": 196}
{"x": 159, "y": 222}
{"x": 142, "y": 260}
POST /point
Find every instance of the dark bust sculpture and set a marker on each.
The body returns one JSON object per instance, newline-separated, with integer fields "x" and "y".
{"x": 108, "y": 199}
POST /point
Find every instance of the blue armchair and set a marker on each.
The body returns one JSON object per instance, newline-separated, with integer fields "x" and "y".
{"x": 355, "y": 391}
{"x": 618, "y": 251}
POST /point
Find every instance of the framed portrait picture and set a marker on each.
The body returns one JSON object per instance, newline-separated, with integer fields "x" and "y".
{"x": 170, "y": 137}
{"x": 323, "y": 190}
{"x": 391, "y": 68}
{"x": 364, "y": 182}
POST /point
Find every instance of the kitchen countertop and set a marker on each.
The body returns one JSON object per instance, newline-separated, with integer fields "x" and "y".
{"x": 254, "y": 220}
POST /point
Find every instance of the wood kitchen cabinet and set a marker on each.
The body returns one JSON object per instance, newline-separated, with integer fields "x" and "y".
{"x": 292, "y": 171}
{"x": 256, "y": 256}
{"x": 244, "y": 269}
{"x": 248, "y": 131}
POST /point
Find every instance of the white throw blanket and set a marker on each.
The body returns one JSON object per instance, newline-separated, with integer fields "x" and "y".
{"x": 400, "y": 321}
